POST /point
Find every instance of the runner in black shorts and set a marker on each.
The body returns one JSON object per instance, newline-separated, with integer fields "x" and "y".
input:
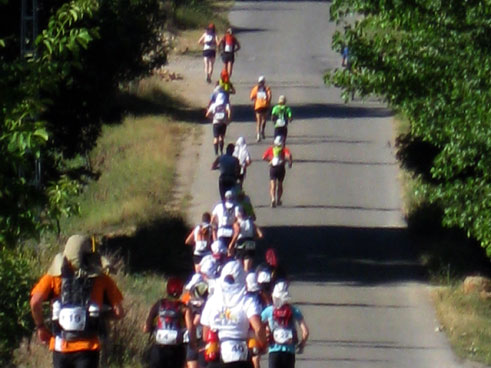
{"x": 219, "y": 130}
{"x": 277, "y": 172}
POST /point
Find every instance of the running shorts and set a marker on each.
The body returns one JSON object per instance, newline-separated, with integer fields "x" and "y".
{"x": 162, "y": 356}
{"x": 209, "y": 53}
{"x": 277, "y": 172}
{"x": 281, "y": 131}
{"x": 197, "y": 258}
{"x": 281, "y": 359}
{"x": 82, "y": 359}
{"x": 242, "y": 253}
{"x": 262, "y": 110}
{"x": 228, "y": 57}
{"x": 219, "y": 129}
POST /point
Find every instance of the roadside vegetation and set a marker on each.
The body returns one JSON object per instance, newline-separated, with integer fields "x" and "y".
{"x": 105, "y": 135}
{"x": 431, "y": 63}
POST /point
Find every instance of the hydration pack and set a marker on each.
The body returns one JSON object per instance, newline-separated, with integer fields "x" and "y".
{"x": 229, "y": 43}
{"x": 283, "y": 330}
{"x": 74, "y": 316}
{"x": 278, "y": 156}
{"x": 169, "y": 330}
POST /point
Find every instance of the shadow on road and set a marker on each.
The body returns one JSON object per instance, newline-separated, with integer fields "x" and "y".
{"x": 363, "y": 256}
{"x": 245, "y": 113}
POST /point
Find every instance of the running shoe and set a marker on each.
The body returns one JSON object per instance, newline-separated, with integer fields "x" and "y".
{"x": 273, "y": 204}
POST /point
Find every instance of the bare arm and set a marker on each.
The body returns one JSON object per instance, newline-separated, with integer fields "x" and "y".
{"x": 259, "y": 330}
{"x": 36, "y": 303}
{"x": 259, "y": 232}
{"x": 190, "y": 239}
{"x": 305, "y": 332}
{"x": 216, "y": 164}
{"x": 202, "y": 39}
{"x": 234, "y": 238}
{"x": 148, "y": 327}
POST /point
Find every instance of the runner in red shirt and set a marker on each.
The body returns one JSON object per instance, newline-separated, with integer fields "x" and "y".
{"x": 277, "y": 156}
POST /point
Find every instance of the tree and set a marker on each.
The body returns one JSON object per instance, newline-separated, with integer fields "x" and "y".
{"x": 431, "y": 61}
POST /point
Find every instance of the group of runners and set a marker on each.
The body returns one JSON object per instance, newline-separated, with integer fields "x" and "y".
{"x": 229, "y": 312}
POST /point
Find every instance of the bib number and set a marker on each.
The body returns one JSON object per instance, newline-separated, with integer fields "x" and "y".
{"x": 276, "y": 161}
{"x": 225, "y": 232}
{"x": 201, "y": 246}
{"x": 280, "y": 123}
{"x": 283, "y": 336}
{"x": 249, "y": 245}
{"x": 228, "y": 48}
{"x": 166, "y": 337}
{"x": 261, "y": 95}
{"x": 72, "y": 318}
{"x": 234, "y": 351}
{"x": 220, "y": 116}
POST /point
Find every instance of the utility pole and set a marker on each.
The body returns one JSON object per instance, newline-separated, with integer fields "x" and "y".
{"x": 28, "y": 35}
{"x": 28, "y": 27}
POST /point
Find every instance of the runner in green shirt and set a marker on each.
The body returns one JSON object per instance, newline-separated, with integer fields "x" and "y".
{"x": 281, "y": 115}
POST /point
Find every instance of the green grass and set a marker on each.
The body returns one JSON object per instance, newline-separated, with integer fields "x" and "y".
{"x": 467, "y": 321}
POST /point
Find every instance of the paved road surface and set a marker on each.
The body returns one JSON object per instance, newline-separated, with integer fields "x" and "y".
{"x": 340, "y": 232}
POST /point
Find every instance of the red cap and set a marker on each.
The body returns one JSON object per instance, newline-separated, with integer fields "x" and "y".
{"x": 174, "y": 287}
{"x": 271, "y": 257}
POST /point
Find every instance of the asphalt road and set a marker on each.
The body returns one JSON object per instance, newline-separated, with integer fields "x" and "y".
{"x": 340, "y": 233}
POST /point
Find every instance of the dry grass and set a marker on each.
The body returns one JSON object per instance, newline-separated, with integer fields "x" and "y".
{"x": 467, "y": 321}
{"x": 137, "y": 162}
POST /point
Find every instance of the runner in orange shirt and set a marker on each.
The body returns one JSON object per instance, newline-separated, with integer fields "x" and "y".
{"x": 261, "y": 95}
{"x": 76, "y": 288}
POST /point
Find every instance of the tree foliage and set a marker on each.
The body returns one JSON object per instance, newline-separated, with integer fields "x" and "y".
{"x": 430, "y": 59}
{"x": 52, "y": 104}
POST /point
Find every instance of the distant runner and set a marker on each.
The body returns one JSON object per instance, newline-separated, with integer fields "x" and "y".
{"x": 221, "y": 113}
{"x": 281, "y": 116}
{"x": 209, "y": 40}
{"x": 277, "y": 156}
{"x": 201, "y": 238}
{"x": 229, "y": 46}
{"x": 229, "y": 167}
{"x": 261, "y": 95}
{"x": 242, "y": 154}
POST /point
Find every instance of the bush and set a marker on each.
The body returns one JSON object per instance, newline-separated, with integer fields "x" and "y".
{"x": 16, "y": 280}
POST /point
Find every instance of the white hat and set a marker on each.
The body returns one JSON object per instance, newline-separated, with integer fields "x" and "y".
{"x": 251, "y": 282}
{"x": 282, "y": 99}
{"x": 208, "y": 266}
{"x": 229, "y": 199}
{"x": 218, "y": 247}
{"x": 261, "y": 79}
{"x": 278, "y": 141}
{"x": 233, "y": 273}
{"x": 280, "y": 294}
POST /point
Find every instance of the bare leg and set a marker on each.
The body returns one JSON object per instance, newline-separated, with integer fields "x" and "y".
{"x": 256, "y": 359}
{"x": 272, "y": 191}
{"x": 263, "y": 124}
{"x": 258, "y": 126}
{"x": 211, "y": 62}
{"x": 247, "y": 264}
{"x": 280, "y": 192}
{"x": 192, "y": 364}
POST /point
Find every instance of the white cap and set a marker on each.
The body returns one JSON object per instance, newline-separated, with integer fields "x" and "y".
{"x": 280, "y": 294}
{"x": 233, "y": 270}
{"x": 261, "y": 79}
{"x": 229, "y": 197}
{"x": 218, "y": 247}
{"x": 251, "y": 282}
{"x": 278, "y": 141}
{"x": 240, "y": 141}
{"x": 220, "y": 99}
{"x": 207, "y": 266}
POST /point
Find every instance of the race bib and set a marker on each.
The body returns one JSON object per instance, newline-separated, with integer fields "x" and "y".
{"x": 280, "y": 123}
{"x": 249, "y": 245}
{"x": 220, "y": 115}
{"x": 72, "y": 318}
{"x": 263, "y": 277}
{"x": 225, "y": 232}
{"x": 283, "y": 335}
{"x": 201, "y": 246}
{"x": 276, "y": 161}
{"x": 233, "y": 351}
{"x": 261, "y": 95}
{"x": 228, "y": 48}
{"x": 166, "y": 337}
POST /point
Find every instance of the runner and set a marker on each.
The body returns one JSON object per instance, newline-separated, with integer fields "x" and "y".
{"x": 223, "y": 219}
{"x": 244, "y": 241}
{"x": 261, "y": 95}
{"x": 254, "y": 290}
{"x": 209, "y": 40}
{"x": 201, "y": 238}
{"x": 225, "y": 86}
{"x": 76, "y": 288}
{"x": 281, "y": 319}
{"x": 229, "y": 167}
{"x": 268, "y": 274}
{"x": 242, "y": 154}
{"x": 166, "y": 322}
{"x": 281, "y": 116}
{"x": 221, "y": 113}
{"x": 277, "y": 156}
{"x": 226, "y": 318}
{"x": 195, "y": 299}
{"x": 229, "y": 46}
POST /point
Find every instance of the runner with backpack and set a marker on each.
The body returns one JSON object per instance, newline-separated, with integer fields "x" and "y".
{"x": 281, "y": 116}
{"x": 201, "y": 238}
{"x": 166, "y": 323}
{"x": 220, "y": 112}
{"x": 281, "y": 319}
{"x": 277, "y": 156}
{"x": 229, "y": 46}
{"x": 261, "y": 95}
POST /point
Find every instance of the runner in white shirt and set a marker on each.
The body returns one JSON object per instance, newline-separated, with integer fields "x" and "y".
{"x": 230, "y": 311}
{"x": 223, "y": 219}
